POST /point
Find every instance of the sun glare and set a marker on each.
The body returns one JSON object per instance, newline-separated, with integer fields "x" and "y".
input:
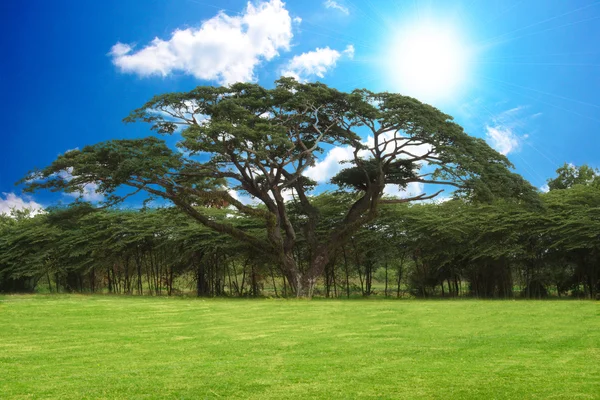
{"x": 430, "y": 61}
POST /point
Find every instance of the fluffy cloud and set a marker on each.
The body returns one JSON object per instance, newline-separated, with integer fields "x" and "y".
{"x": 315, "y": 63}
{"x": 224, "y": 48}
{"x": 88, "y": 193}
{"x": 246, "y": 199}
{"x": 336, "y": 6}
{"x": 412, "y": 189}
{"x": 10, "y": 201}
{"x": 504, "y": 132}
{"x": 325, "y": 169}
{"x": 502, "y": 138}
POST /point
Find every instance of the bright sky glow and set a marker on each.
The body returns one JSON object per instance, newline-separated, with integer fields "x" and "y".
{"x": 430, "y": 61}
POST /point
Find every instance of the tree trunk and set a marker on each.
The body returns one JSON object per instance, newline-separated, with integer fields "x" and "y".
{"x": 49, "y": 283}
{"x": 273, "y": 279}
{"x": 347, "y": 273}
{"x": 303, "y": 282}
{"x": 386, "y": 279}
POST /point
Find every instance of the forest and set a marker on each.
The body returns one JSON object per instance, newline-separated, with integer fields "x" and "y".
{"x": 498, "y": 249}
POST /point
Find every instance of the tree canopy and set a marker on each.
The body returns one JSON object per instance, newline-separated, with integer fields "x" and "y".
{"x": 569, "y": 175}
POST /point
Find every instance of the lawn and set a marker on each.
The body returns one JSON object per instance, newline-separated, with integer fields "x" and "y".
{"x": 102, "y": 347}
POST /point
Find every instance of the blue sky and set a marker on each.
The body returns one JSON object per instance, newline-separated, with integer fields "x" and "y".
{"x": 523, "y": 74}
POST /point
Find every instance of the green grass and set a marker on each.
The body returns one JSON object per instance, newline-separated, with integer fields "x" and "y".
{"x": 102, "y": 347}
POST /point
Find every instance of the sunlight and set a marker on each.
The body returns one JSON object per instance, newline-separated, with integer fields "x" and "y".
{"x": 430, "y": 61}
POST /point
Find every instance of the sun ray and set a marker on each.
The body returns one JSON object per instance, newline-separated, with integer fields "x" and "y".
{"x": 545, "y": 93}
{"x": 339, "y": 36}
{"x": 502, "y": 13}
{"x": 552, "y": 160}
{"x": 553, "y": 105}
{"x": 554, "y": 28}
{"x": 538, "y": 63}
{"x": 495, "y": 38}
{"x": 366, "y": 15}
{"x": 544, "y": 55}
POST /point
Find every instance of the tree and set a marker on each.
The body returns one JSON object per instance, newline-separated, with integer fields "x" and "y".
{"x": 574, "y": 227}
{"x": 261, "y": 141}
{"x": 569, "y": 175}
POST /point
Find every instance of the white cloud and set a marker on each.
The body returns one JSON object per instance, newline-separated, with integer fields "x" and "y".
{"x": 349, "y": 51}
{"x": 120, "y": 49}
{"x": 415, "y": 189}
{"x": 10, "y": 201}
{"x": 88, "y": 193}
{"x": 412, "y": 189}
{"x": 336, "y": 6}
{"x": 504, "y": 132}
{"x": 242, "y": 198}
{"x": 329, "y": 166}
{"x": 503, "y": 139}
{"x": 315, "y": 63}
{"x": 325, "y": 169}
{"x": 287, "y": 194}
{"x": 246, "y": 199}
{"x": 224, "y": 48}
{"x": 544, "y": 188}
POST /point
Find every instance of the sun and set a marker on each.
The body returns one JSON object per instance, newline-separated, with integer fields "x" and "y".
{"x": 430, "y": 61}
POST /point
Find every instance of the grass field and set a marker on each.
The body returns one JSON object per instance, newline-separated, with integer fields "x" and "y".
{"x": 101, "y": 347}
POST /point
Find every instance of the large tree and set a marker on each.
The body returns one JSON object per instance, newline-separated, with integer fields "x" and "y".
{"x": 262, "y": 141}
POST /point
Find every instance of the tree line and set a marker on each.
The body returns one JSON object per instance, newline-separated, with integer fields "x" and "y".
{"x": 460, "y": 247}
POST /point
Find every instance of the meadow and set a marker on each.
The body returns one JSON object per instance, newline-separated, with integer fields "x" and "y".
{"x": 117, "y": 347}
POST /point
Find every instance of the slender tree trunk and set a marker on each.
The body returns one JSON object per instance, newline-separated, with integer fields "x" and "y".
{"x": 202, "y": 288}
{"x": 127, "y": 278}
{"x": 49, "y": 283}
{"x": 335, "y": 293}
{"x": 273, "y": 279}
{"x": 229, "y": 279}
{"x": 140, "y": 282}
{"x": 253, "y": 280}
{"x": 360, "y": 278}
{"x": 386, "y": 279}
{"x": 456, "y": 285}
{"x": 327, "y": 283}
{"x": 149, "y": 274}
{"x": 93, "y": 279}
{"x": 347, "y": 273}
{"x": 243, "y": 277}
{"x": 398, "y": 282}
{"x": 110, "y": 285}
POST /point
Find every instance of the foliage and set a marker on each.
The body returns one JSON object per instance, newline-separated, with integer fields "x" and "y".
{"x": 261, "y": 141}
{"x": 570, "y": 175}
